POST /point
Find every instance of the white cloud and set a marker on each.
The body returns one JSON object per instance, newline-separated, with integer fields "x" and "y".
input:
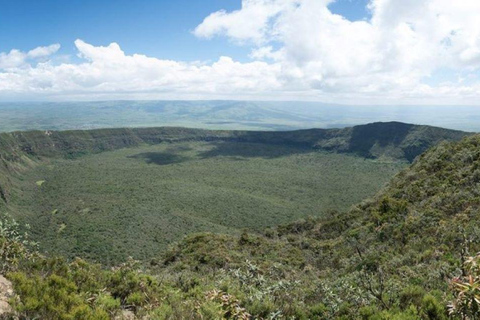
{"x": 299, "y": 50}
{"x": 252, "y": 22}
{"x": 266, "y": 53}
{"x": 389, "y": 55}
{"x": 13, "y": 59}
{"x": 109, "y": 71}
{"x": 41, "y": 52}
{"x": 16, "y": 58}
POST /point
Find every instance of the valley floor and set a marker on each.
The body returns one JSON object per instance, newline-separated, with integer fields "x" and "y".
{"x": 137, "y": 201}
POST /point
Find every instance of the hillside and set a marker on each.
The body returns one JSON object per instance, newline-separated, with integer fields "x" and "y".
{"x": 392, "y": 139}
{"x": 390, "y": 257}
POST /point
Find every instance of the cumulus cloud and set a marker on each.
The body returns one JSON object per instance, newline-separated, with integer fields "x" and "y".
{"x": 108, "y": 70}
{"x": 403, "y": 42}
{"x": 253, "y": 22}
{"x": 16, "y": 58}
{"x": 300, "y": 49}
{"x": 41, "y": 52}
{"x": 12, "y": 59}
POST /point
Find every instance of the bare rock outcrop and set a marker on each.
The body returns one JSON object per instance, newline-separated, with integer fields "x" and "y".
{"x": 6, "y": 292}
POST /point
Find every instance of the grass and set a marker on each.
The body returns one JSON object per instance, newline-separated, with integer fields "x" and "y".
{"x": 137, "y": 201}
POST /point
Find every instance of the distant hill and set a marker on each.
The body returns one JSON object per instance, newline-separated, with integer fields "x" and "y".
{"x": 224, "y": 115}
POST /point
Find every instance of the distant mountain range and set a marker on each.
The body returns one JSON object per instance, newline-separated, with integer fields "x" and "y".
{"x": 227, "y": 115}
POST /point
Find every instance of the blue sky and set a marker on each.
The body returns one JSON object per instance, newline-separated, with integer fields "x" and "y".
{"x": 351, "y": 9}
{"x": 339, "y": 51}
{"x": 156, "y": 28}
{"x": 159, "y": 28}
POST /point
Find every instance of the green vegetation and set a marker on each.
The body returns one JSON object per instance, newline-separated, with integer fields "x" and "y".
{"x": 156, "y": 185}
{"x": 390, "y": 257}
{"x": 466, "y": 290}
{"x": 391, "y": 140}
{"x": 136, "y": 201}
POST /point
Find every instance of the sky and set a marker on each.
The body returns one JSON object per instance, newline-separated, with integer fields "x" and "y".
{"x": 343, "y": 51}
